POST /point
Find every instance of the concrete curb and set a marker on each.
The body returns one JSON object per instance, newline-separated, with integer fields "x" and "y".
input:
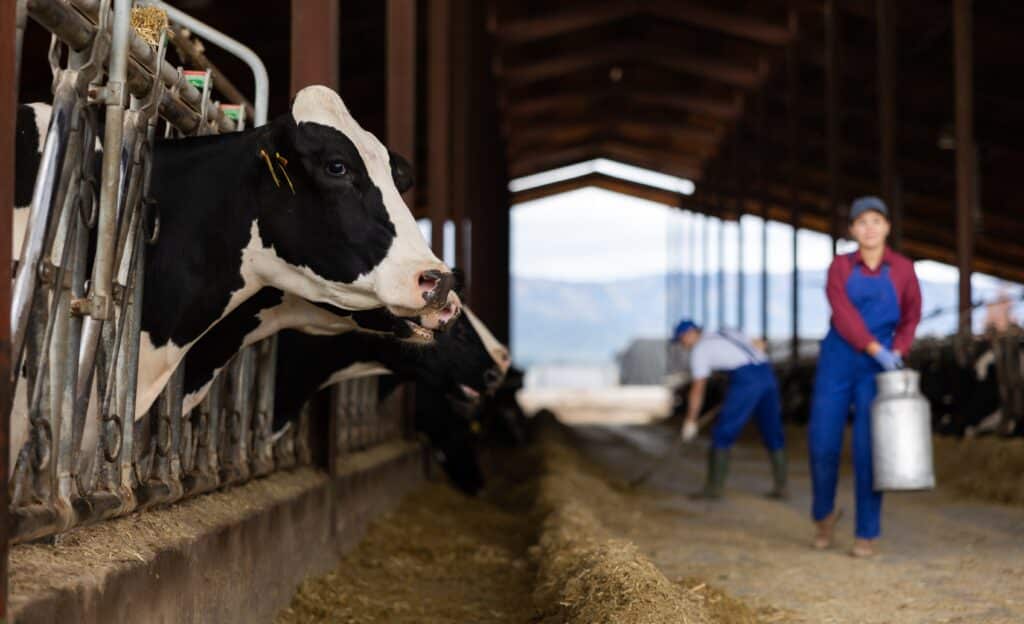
{"x": 231, "y": 556}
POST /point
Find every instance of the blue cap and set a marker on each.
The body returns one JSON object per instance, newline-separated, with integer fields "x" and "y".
{"x": 864, "y": 204}
{"x": 682, "y": 327}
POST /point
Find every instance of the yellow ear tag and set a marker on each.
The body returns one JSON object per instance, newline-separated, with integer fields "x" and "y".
{"x": 282, "y": 162}
{"x": 266, "y": 157}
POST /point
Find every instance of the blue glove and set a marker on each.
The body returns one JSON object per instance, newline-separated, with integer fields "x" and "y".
{"x": 888, "y": 360}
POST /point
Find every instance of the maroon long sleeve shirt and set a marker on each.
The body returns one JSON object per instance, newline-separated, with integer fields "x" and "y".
{"x": 845, "y": 317}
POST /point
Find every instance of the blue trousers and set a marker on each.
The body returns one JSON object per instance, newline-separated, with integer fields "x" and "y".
{"x": 753, "y": 390}
{"x": 844, "y": 378}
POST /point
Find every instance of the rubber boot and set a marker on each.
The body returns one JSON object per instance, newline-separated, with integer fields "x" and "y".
{"x": 780, "y": 489}
{"x": 718, "y": 469}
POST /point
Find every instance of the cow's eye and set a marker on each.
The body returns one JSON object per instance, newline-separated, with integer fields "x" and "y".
{"x": 336, "y": 168}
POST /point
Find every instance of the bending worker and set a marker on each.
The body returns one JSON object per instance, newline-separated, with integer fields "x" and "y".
{"x": 752, "y": 390}
{"x": 876, "y": 305}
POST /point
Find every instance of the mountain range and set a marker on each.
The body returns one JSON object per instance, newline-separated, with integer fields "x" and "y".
{"x": 562, "y": 321}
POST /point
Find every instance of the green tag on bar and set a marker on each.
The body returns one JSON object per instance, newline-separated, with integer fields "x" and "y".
{"x": 196, "y": 78}
{"x": 234, "y": 112}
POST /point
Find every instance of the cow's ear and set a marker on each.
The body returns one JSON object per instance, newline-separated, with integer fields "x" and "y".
{"x": 402, "y": 172}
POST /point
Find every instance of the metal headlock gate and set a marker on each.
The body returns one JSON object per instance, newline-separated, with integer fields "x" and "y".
{"x": 76, "y": 319}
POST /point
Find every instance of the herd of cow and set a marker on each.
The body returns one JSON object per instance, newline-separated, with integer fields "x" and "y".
{"x": 295, "y": 228}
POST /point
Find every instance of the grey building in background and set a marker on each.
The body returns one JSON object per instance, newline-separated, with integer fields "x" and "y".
{"x": 647, "y": 361}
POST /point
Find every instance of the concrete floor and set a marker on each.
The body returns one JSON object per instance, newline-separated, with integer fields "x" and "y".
{"x": 943, "y": 559}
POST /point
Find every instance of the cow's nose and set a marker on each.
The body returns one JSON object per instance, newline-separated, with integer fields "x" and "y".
{"x": 442, "y": 317}
{"x": 493, "y": 377}
{"x": 435, "y": 287}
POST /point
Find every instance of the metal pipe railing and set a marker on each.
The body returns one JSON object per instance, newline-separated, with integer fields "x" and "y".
{"x": 88, "y": 456}
{"x": 75, "y": 23}
{"x": 259, "y": 71}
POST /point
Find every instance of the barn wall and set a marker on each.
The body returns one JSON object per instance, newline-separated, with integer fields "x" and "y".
{"x": 233, "y": 556}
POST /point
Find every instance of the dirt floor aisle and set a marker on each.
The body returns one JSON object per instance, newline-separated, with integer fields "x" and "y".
{"x": 944, "y": 559}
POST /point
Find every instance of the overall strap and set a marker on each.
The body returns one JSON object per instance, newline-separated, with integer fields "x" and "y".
{"x": 751, "y": 354}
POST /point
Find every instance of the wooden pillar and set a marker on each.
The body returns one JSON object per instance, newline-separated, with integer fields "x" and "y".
{"x": 439, "y": 119}
{"x": 8, "y": 115}
{"x": 793, "y": 87}
{"x": 887, "y": 117}
{"x": 963, "y": 62}
{"x": 464, "y": 122}
{"x": 314, "y": 43}
{"x": 401, "y": 98}
{"x": 833, "y": 117}
{"x": 488, "y": 209}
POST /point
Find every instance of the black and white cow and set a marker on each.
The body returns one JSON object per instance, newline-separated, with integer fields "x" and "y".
{"x": 451, "y": 376}
{"x": 343, "y": 237}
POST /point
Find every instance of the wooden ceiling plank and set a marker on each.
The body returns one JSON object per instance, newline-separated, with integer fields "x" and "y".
{"x": 718, "y": 20}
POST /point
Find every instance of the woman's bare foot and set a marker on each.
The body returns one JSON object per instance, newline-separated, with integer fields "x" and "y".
{"x": 863, "y": 548}
{"x": 825, "y": 528}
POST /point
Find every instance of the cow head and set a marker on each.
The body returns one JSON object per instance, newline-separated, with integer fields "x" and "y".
{"x": 338, "y": 228}
{"x": 467, "y": 361}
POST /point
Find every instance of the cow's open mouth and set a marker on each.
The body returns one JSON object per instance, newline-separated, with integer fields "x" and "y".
{"x": 419, "y": 333}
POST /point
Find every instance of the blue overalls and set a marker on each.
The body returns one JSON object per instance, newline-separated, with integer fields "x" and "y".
{"x": 752, "y": 389}
{"x": 846, "y": 376}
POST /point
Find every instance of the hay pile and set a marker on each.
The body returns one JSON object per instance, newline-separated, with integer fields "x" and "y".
{"x": 990, "y": 469}
{"x": 584, "y": 574}
{"x": 149, "y": 23}
{"x": 439, "y": 558}
{"x": 445, "y": 558}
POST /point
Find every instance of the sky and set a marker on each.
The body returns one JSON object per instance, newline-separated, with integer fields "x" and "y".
{"x": 592, "y": 234}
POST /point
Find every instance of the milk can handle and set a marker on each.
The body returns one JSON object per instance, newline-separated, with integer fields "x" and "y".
{"x": 906, "y": 383}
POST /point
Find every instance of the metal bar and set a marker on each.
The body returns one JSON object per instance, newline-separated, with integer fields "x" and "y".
{"x": 401, "y": 97}
{"x": 721, "y": 263}
{"x": 236, "y": 48}
{"x": 833, "y": 137}
{"x": 963, "y": 63}
{"x": 263, "y": 454}
{"x": 192, "y": 51}
{"x": 740, "y": 187}
{"x": 694, "y": 295}
{"x": 8, "y": 115}
{"x": 43, "y": 210}
{"x": 101, "y": 301}
{"x": 887, "y": 116}
{"x": 74, "y": 22}
{"x": 705, "y": 278}
{"x": 793, "y": 75}
{"x": 314, "y": 43}
{"x": 759, "y": 183}
{"x": 439, "y": 119}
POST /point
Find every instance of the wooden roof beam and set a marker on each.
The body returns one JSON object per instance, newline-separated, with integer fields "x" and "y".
{"x": 563, "y": 22}
{"x": 617, "y": 185}
{"x": 728, "y": 22}
{"x": 566, "y": 21}
{"x": 622, "y": 124}
{"x": 729, "y": 72}
{"x": 656, "y": 159}
{"x": 718, "y": 107}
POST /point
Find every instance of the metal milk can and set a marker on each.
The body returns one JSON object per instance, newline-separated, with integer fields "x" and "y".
{"x": 901, "y": 433}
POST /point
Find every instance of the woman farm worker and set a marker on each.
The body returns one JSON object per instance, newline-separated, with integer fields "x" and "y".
{"x": 876, "y": 306}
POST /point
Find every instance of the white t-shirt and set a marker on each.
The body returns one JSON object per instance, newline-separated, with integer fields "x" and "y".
{"x": 723, "y": 350}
